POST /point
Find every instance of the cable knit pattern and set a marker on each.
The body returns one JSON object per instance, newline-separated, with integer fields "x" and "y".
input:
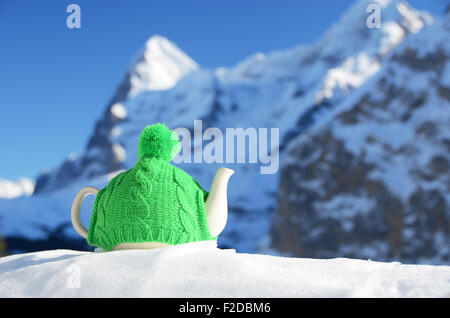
{"x": 184, "y": 211}
{"x": 152, "y": 202}
{"x": 141, "y": 190}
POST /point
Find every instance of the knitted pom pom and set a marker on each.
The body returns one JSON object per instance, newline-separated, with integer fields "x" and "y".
{"x": 158, "y": 141}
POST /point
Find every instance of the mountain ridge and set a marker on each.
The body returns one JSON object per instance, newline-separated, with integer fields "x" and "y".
{"x": 89, "y": 164}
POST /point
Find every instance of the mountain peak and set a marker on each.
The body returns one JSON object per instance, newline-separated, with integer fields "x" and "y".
{"x": 351, "y": 32}
{"x": 158, "y": 66}
{"x": 158, "y": 41}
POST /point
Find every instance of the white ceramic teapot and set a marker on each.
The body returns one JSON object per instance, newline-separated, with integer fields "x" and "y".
{"x": 216, "y": 207}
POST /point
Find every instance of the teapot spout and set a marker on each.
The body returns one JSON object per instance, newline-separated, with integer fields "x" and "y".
{"x": 217, "y": 205}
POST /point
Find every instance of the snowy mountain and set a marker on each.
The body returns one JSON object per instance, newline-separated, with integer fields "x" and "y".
{"x": 14, "y": 189}
{"x": 282, "y": 85}
{"x": 201, "y": 270}
{"x": 372, "y": 178}
{"x": 292, "y": 90}
{"x": 157, "y": 66}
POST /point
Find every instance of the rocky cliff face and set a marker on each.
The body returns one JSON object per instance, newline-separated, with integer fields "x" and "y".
{"x": 372, "y": 179}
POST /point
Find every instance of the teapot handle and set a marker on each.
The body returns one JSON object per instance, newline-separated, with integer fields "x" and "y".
{"x": 76, "y": 209}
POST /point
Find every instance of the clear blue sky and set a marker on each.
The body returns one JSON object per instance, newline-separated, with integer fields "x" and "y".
{"x": 55, "y": 82}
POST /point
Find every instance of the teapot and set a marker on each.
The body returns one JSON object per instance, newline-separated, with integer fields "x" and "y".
{"x": 154, "y": 204}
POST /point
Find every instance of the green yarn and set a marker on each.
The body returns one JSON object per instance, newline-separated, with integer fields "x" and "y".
{"x": 158, "y": 141}
{"x": 152, "y": 202}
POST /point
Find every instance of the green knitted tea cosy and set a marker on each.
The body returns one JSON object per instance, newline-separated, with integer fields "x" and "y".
{"x": 152, "y": 202}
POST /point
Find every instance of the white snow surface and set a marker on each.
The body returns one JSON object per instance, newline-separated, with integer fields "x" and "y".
{"x": 200, "y": 269}
{"x": 13, "y": 189}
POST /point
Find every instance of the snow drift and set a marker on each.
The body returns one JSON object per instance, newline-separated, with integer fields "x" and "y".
{"x": 200, "y": 269}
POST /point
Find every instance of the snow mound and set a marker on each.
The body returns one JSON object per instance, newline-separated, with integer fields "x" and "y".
{"x": 200, "y": 269}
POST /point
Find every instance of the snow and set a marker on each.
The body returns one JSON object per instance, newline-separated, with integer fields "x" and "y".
{"x": 344, "y": 208}
{"x": 394, "y": 35}
{"x": 159, "y": 66}
{"x": 396, "y": 176}
{"x": 13, "y": 189}
{"x": 32, "y": 217}
{"x": 201, "y": 270}
{"x": 118, "y": 111}
{"x": 353, "y": 72}
{"x": 119, "y": 152}
{"x": 373, "y": 41}
{"x": 412, "y": 18}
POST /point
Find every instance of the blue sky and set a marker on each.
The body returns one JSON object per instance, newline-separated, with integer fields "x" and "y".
{"x": 55, "y": 82}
